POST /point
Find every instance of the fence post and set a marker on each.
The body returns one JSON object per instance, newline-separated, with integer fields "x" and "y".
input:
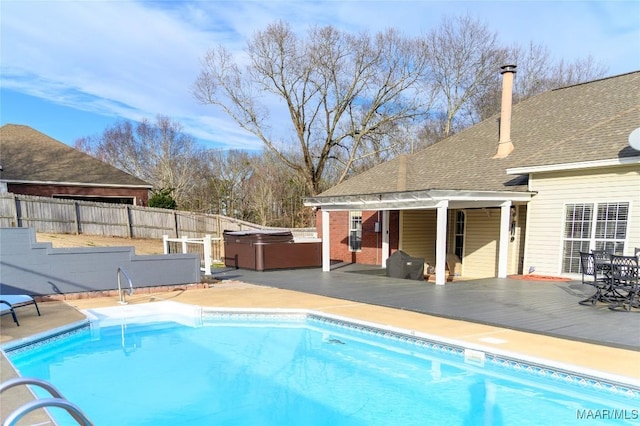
{"x": 184, "y": 244}
{"x": 207, "y": 254}
{"x": 165, "y": 244}
{"x": 16, "y": 209}
{"x": 129, "y": 227}
{"x": 76, "y": 209}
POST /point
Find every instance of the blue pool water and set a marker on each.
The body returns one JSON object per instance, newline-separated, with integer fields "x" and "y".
{"x": 299, "y": 370}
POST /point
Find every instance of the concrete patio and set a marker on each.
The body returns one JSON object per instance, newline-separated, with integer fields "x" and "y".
{"x": 542, "y": 307}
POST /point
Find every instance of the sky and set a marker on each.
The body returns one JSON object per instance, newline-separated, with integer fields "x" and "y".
{"x": 71, "y": 69}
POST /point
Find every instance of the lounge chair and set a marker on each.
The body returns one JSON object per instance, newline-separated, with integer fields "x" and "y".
{"x": 6, "y": 309}
{"x": 9, "y": 302}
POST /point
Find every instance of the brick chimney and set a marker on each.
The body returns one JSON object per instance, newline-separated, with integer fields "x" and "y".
{"x": 504, "y": 145}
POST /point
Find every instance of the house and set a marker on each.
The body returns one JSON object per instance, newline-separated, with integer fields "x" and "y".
{"x": 33, "y": 163}
{"x": 522, "y": 192}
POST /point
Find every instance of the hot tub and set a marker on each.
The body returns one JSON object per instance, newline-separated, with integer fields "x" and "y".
{"x": 262, "y": 250}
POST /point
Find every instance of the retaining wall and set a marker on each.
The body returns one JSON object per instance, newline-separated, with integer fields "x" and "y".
{"x": 29, "y": 267}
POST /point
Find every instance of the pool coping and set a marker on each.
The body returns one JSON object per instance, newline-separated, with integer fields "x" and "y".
{"x": 474, "y": 354}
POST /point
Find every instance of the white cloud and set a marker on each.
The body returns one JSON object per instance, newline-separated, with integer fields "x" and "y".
{"x": 138, "y": 59}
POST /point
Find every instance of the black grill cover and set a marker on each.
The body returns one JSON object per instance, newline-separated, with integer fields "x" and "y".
{"x": 401, "y": 265}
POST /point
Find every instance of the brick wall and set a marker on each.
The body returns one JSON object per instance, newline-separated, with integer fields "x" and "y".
{"x": 140, "y": 195}
{"x": 371, "y": 253}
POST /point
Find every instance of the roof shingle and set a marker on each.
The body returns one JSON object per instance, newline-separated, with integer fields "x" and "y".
{"x": 581, "y": 123}
{"x": 27, "y": 155}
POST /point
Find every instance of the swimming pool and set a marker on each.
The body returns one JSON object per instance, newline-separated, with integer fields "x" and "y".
{"x": 169, "y": 363}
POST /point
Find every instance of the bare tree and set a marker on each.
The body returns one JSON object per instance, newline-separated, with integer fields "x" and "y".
{"x": 463, "y": 54}
{"x": 537, "y": 72}
{"x": 228, "y": 187}
{"x": 159, "y": 153}
{"x": 275, "y": 193}
{"x": 337, "y": 91}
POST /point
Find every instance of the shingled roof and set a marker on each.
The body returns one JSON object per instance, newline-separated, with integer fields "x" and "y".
{"x": 588, "y": 122}
{"x": 28, "y": 156}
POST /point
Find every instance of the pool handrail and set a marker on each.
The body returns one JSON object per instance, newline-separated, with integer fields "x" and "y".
{"x": 122, "y": 300}
{"x": 57, "y": 401}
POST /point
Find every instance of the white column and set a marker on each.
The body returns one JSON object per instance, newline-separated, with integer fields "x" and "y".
{"x": 441, "y": 243}
{"x": 165, "y": 244}
{"x": 207, "y": 254}
{"x": 385, "y": 237}
{"x": 326, "y": 242}
{"x": 505, "y": 227}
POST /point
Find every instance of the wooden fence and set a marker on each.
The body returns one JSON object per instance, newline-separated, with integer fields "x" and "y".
{"x": 61, "y": 216}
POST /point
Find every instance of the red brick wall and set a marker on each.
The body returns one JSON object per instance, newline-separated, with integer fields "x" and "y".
{"x": 371, "y": 253}
{"x": 141, "y": 195}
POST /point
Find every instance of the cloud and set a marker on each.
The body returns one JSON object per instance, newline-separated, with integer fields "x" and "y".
{"x": 137, "y": 59}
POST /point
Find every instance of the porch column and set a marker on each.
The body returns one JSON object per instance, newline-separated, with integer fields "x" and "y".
{"x": 505, "y": 228}
{"x": 326, "y": 242}
{"x": 441, "y": 243}
{"x": 385, "y": 237}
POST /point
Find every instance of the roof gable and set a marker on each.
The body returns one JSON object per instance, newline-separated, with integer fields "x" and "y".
{"x": 27, "y": 155}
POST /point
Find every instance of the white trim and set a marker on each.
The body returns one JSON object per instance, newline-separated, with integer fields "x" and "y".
{"x": 427, "y": 199}
{"x": 46, "y": 182}
{"x": 354, "y": 214}
{"x": 441, "y": 243}
{"x": 326, "y": 241}
{"x": 503, "y": 251}
{"x": 385, "y": 238}
{"x": 573, "y": 166}
{"x": 593, "y": 221}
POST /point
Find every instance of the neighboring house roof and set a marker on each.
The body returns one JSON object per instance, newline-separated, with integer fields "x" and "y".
{"x": 587, "y": 123}
{"x": 28, "y": 156}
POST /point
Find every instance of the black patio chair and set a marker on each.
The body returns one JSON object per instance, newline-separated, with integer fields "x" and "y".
{"x": 601, "y": 257}
{"x": 624, "y": 279}
{"x": 594, "y": 276}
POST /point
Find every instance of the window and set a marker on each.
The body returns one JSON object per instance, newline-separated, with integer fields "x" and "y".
{"x": 459, "y": 234}
{"x": 355, "y": 230}
{"x": 593, "y": 226}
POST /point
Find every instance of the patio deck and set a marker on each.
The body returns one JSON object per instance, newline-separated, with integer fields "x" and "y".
{"x": 543, "y": 307}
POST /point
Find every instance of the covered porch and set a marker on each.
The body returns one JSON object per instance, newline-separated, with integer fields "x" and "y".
{"x": 442, "y": 202}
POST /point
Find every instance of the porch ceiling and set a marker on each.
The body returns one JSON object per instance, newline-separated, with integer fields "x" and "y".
{"x": 412, "y": 200}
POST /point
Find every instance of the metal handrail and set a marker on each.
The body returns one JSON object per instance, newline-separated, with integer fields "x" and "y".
{"x": 57, "y": 401}
{"x": 122, "y": 300}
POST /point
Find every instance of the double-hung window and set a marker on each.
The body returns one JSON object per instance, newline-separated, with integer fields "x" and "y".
{"x": 355, "y": 230}
{"x": 593, "y": 226}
